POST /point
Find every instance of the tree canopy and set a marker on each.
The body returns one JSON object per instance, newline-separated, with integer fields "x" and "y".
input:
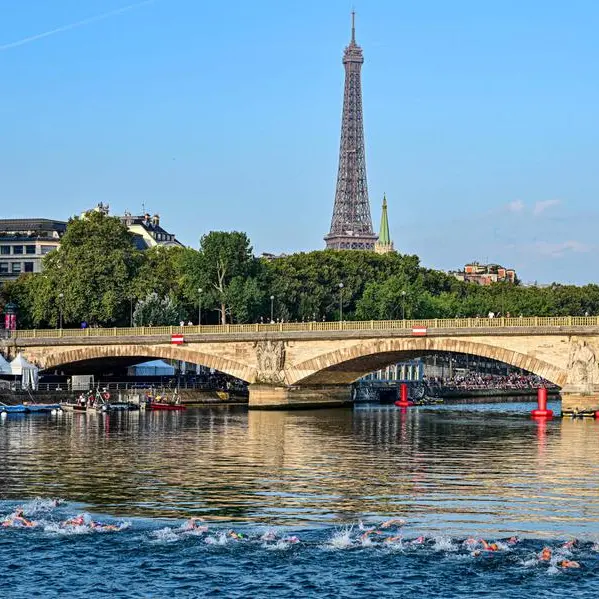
{"x": 98, "y": 276}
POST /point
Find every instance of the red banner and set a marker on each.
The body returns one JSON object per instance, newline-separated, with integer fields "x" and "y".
{"x": 177, "y": 339}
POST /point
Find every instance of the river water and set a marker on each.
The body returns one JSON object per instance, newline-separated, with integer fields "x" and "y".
{"x": 300, "y": 490}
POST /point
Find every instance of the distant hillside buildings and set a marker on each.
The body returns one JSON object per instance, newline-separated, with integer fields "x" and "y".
{"x": 485, "y": 274}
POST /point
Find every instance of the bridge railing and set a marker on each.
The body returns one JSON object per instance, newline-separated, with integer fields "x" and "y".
{"x": 360, "y": 325}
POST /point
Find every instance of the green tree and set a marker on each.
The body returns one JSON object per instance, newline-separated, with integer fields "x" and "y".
{"x": 155, "y": 311}
{"x": 90, "y": 276}
{"x": 221, "y": 268}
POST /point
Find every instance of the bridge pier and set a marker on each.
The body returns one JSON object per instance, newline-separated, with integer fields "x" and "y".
{"x": 580, "y": 401}
{"x": 282, "y": 397}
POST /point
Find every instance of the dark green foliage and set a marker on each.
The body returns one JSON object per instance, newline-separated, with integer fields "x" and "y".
{"x": 102, "y": 276}
{"x": 155, "y": 311}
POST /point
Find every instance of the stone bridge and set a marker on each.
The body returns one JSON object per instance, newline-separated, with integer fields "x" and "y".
{"x": 300, "y": 364}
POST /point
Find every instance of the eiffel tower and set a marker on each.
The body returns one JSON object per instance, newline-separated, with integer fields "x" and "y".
{"x": 351, "y": 225}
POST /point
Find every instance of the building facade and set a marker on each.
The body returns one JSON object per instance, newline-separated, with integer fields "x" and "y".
{"x": 485, "y": 274}
{"x": 146, "y": 229}
{"x": 25, "y": 242}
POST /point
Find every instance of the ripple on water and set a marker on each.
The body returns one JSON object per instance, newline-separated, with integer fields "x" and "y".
{"x": 310, "y": 474}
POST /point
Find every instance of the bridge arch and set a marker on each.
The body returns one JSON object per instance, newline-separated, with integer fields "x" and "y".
{"x": 347, "y": 364}
{"x": 72, "y": 355}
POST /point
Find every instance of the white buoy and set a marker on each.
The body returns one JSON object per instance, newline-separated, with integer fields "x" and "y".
{"x": 3, "y": 414}
{"x": 54, "y": 412}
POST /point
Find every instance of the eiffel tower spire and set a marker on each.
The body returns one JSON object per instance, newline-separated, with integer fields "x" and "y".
{"x": 351, "y": 225}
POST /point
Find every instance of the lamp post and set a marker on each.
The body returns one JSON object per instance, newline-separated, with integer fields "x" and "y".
{"x": 131, "y": 311}
{"x": 272, "y": 308}
{"x": 200, "y": 305}
{"x": 340, "y": 302}
{"x": 60, "y": 298}
{"x": 403, "y": 305}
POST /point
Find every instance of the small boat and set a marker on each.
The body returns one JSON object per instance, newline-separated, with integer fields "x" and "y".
{"x": 579, "y": 414}
{"x": 166, "y": 406}
{"x": 120, "y": 406}
{"x": 20, "y": 409}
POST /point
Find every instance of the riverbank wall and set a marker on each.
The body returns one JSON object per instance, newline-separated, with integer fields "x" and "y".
{"x": 197, "y": 397}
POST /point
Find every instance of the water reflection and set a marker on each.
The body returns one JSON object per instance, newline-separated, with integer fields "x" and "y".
{"x": 444, "y": 471}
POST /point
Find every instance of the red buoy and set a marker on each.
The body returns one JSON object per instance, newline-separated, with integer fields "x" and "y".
{"x": 542, "y": 411}
{"x": 597, "y": 415}
{"x": 403, "y": 397}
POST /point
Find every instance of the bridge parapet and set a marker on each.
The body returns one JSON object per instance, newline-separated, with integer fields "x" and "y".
{"x": 431, "y": 325}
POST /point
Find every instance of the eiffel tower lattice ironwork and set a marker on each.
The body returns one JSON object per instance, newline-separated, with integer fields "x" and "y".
{"x": 351, "y": 225}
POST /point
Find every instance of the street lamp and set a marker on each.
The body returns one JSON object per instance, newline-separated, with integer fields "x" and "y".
{"x": 340, "y": 302}
{"x": 403, "y": 305}
{"x": 60, "y": 297}
{"x": 272, "y": 309}
{"x": 200, "y": 306}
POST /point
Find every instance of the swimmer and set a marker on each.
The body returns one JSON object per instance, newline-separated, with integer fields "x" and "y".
{"x": 18, "y": 518}
{"x": 570, "y": 544}
{"x": 566, "y": 563}
{"x": 366, "y": 535}
{"x": 393, "y": 539}
{"x": 393, "y": 522}
{"x": 192, "y": 524}
{"x": 235, "y": 535}
{"x": 513, "y": 540}
{"x": 418, "y": 540}
{"x": 489, "y": 546}
{"x": 292, "y": 540}
{"x": 269, "y": 536}
{"x": 105, "y": 527}
{"x": 545, "y": 554}
{"x": 76, "y": 521}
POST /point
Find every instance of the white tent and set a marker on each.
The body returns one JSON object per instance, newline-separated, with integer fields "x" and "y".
{"x": 152, "y": 368}
{"x": 27, "y": 370}
{"x": 4, "y": 366}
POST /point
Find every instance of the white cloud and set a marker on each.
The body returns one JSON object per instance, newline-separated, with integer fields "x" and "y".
{"x": 515, "y": 206}
{"x": 543, "y": 205}
{"x": 556, "y": 250}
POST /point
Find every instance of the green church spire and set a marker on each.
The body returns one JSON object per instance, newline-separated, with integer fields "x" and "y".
{"x": 384, "y": 237}
{"x": 384, "y": 244}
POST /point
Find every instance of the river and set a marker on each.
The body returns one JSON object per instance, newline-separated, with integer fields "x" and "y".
{"x": 300, "y": 490}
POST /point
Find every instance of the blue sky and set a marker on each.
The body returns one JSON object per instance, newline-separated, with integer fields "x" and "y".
{"x": 480, "y": 119}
